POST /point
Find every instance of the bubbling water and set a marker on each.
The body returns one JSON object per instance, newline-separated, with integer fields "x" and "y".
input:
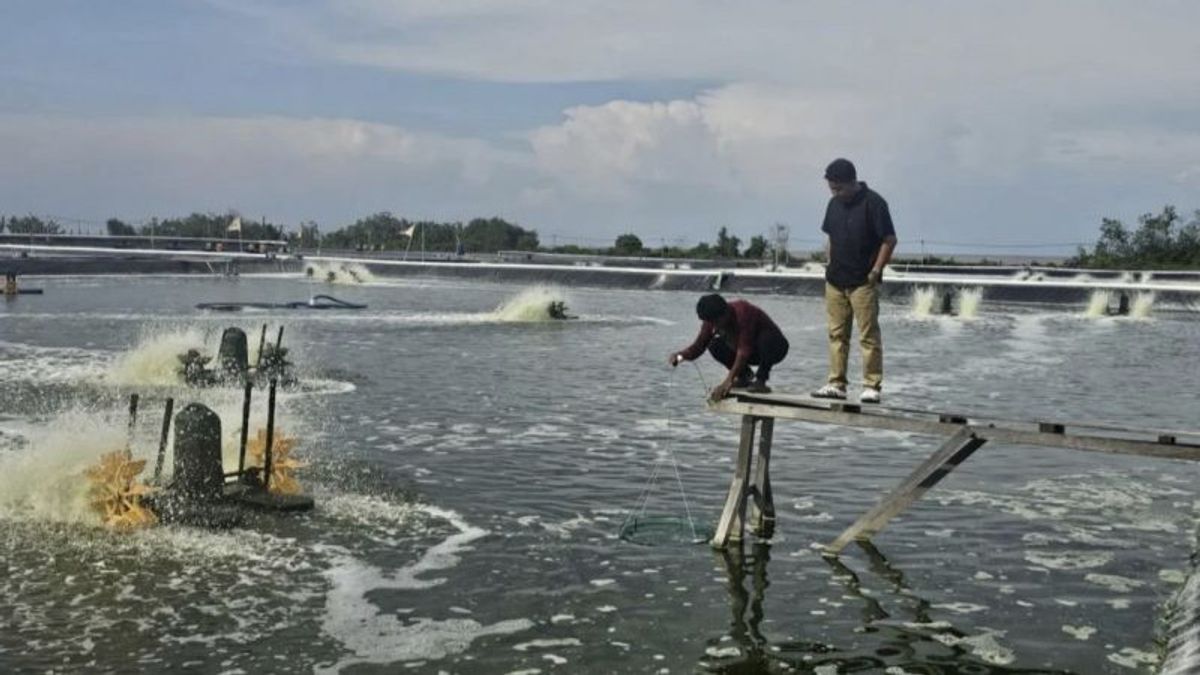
{"x": 340, "y": 273}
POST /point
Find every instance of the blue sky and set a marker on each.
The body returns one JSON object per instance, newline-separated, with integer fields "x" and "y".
{"x": 988, "y": 126}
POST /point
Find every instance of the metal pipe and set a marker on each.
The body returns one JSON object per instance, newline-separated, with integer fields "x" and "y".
{"x": 162, "y": 439}
{"x": 270, "y": 431}
{"x": 279, "y": 339}
{"x": 245, "y": 425}
{"x": 262, "y": 339}
{"x": 133, "y": 411}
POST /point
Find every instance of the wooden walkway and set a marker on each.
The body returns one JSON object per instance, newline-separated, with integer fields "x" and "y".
{"x": 963, "y": 433}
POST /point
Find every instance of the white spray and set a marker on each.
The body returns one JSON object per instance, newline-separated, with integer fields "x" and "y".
{"x": 1098, "y": 304}
{"x": 969, "y": 300}
{"x": 923, "y": 299}
{"x": 532, "y": 304}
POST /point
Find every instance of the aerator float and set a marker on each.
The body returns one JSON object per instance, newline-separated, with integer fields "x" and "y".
{"x": 199, "y": 491}
{"x": 233, "y": 362}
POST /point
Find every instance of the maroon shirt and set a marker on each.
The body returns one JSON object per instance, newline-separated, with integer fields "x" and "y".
{"x": 750, "y": 322}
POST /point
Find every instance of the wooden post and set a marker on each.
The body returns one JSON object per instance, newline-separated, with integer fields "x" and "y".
{"x": 956, "y": 449}
{"x": 732, "y": 516}
{"x": 762, "y": 520}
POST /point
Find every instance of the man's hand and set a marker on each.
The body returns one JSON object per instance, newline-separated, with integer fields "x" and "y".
{"x": 874, "y": 277}
{"x": 720, "y": 391}
{"x": 675, "y": 359}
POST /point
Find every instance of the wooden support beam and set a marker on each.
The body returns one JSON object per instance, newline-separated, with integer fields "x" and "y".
{"x": 762, "y": 520}
{"x": 953, "y": 452}
{"x": 1117, "y": 441}
{"x": 732, "y": 516}
{"x": 965, "y": 434}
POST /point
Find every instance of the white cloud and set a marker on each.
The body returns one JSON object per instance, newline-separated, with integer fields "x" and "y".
{"x": 289, "y": 168}
{"x": 1074, "y": 47}
{"x": 1018, "y": 117}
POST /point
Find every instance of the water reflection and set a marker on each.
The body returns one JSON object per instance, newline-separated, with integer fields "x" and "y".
{"x": 897, "y": 631}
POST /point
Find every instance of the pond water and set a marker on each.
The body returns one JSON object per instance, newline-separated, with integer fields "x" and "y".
{"x": 472, "y": 467}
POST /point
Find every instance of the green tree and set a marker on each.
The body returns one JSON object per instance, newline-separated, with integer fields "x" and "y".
{"x": 727, "y": 246}
{"x": 703, "y": 250}
{"x": 496, "y": 234}
{"x": 119, "y": 228}
{"x": 757, "y": 250}
{"x": 32, "y": 225}
{"x": 1160, "y": 241}
{"x": 627, "y": 244}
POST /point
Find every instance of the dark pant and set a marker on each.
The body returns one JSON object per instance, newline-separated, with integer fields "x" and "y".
{"x": 769, "y": 348}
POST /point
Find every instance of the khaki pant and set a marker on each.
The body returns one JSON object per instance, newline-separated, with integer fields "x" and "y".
{"x": 846, "y": 306}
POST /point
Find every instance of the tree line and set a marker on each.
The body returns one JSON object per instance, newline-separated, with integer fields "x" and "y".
{"x": 1160, "y": 241}
{"x": 386, "y": 232}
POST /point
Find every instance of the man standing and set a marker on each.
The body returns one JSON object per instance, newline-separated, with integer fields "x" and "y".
{"x": 859, "y": 240}
{"x": 739, "y": 335}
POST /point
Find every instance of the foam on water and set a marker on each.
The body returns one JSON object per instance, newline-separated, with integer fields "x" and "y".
{"x": 374, "y": 636}
{"x": 35, "y": 363}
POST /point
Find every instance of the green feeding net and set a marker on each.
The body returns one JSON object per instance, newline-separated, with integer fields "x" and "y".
{"x": 676, "y": 526}
{"x": 664, "y": 530}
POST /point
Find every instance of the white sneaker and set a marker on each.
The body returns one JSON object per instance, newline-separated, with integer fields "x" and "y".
{"x": 869, "y": 395}
{"x": 830, "y": 391}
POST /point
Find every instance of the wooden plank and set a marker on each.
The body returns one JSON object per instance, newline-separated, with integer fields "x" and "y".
{"x": 762, "y": 519}
{"x": 730, "y": 524}
{"x": 1148, "y": 447}
{"x": 953, "y": 452}
{"x": 978, "y": 420}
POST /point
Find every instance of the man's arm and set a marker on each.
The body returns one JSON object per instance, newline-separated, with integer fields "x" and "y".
{"x": 882, "y": 258}
{"x": 885, "y": 253}
{"x": 828, "y": 249}
{"x": 696, "y": 348}
{"x": 739, "y": 364}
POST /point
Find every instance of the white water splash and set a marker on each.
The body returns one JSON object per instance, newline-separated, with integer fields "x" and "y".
{"x": 339, "y": 273}
{"x": 969, "y": 301}
{"x": 532, "y": 304}
{"x": 44, "y": 479}
{"x": 154, "y": 361}
{"x": 1098, "y": 304}
{"x": 923, "y": 298}
{"x": 1142, "y": 304}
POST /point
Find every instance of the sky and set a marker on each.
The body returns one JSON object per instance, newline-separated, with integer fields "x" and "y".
{"x": 988, "y": 126}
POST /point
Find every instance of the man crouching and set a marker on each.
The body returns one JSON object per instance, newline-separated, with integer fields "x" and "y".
{"x": 739, "y": 335}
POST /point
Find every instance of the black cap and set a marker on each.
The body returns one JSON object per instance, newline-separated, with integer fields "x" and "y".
{"x": 841, "y": 170}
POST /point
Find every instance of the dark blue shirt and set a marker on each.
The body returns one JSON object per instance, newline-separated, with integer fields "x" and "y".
{"x": 856, "y": 230}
